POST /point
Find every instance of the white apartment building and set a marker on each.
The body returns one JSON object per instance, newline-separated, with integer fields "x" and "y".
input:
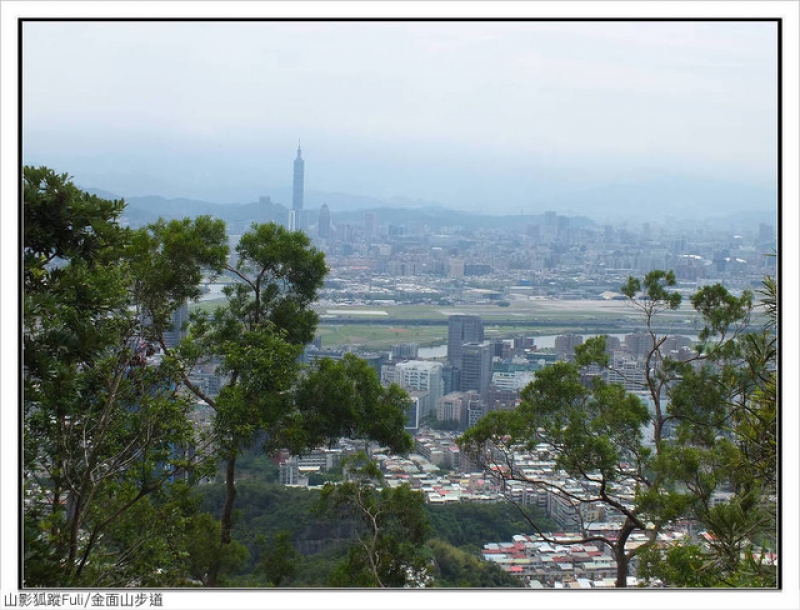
{"x": 421, "y": 375}
{"x": 512, "y": 380}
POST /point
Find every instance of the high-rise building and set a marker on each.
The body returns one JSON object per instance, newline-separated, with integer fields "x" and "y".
{"x": 370, "y": 225}
{"x": 476, "y": 368}
{"x": 324, "y": 224}
{"x": 566, "y": 344}
{"x": 414, "y": 409}
{"x": 297, "y": 191}
{"x": 405, "y": 351}
{"x": 451, "y": 375}
{"x": 462, "y": 329}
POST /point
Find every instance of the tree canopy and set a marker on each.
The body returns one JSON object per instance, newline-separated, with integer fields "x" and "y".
{"x": 392, "y": 529}
{"x": 662, "y": 450}
{"x": 104, "y": 432}
{"x": 108, "y": 428}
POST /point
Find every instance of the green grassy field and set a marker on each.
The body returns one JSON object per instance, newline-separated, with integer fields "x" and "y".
{"x": 534, "y": 317}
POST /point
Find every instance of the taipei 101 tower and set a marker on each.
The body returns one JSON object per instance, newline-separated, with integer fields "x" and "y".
{"x": 297, "y": 192}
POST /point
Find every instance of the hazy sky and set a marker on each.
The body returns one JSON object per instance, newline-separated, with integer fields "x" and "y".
{"x": 468, "y": 114}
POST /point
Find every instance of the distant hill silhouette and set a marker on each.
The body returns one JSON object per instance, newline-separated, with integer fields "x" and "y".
{"x": 654, "y": 199}
{"x": 688, "y": 197}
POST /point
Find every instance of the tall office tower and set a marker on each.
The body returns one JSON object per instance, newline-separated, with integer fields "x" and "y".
{"x": 476, "y": 368}
{"x": 265, "y": 208}
{"x": 370, "y": 225}
{"x": 324, "y": 224}
{"x": 418, "y": 398}
{"x": 297, "y": 189}
{"x": 562, "y": 226}
{"x": 462, "y": 329}
{"x": 534, "y": 232}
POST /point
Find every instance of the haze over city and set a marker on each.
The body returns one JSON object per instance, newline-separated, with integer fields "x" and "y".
{"x": 531, "y": 274}
{"x": 498, "y": 117}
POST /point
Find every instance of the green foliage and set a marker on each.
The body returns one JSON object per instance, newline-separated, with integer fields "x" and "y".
{"x": 281, "y": 273}
{"x": 61, "y": 222}
{"x": 254, "y": 464}
{"x": 683, "y": 564}
{"x": 104, "y": 432}
{"x": 392, "y": 529}
{"x": 168, "y": 260}
{"x": 728, "y": 558}
{"x": 721, "y": 311}
{"x": 706, "y": 414}
{"x": 315, "y": 570}
{"x": 454, "y": 567}
{"x": 265, "y": 510}
{"x": 265, "y": 368}
{"x": 280, "y": 560}
{"x": 593, "y": 351}
{"x": 653, "y": 290}
{"x": 593, "y": 430}
{"x": 205, "y": 551}
{"x": 257, "y": 337}
{"x": 345, "y": 399}
{"x": 471, "y": 525}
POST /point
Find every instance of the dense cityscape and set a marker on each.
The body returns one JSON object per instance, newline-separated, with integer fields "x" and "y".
{"x": 457, "y": 373}
{"x": 349, "y": 305}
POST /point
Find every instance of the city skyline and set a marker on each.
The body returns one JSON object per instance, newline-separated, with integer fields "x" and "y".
{"x": 507, "y": 115}
{"x": 608, "y": 141}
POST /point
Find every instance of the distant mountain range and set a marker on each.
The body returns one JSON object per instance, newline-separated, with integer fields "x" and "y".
{"x": 678, "y": 199}
{"x": 661, "y": 197}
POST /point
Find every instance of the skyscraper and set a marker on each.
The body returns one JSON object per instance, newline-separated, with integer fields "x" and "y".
{"x": 462, "y": 329}
{"x": 297, "y": 192}
{"x": 370, "y": 225}
{"x": 476, "y": 368}
{"x": 324, "y": 225}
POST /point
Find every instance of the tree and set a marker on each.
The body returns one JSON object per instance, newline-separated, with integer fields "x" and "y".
{"x": 454, "y": 567}
{"x": 204, "y": 550}
{"x": 344, "y": 398}
{"x": 393, "y": 529}
{"x": 256, "y": 339}
{"x": 107, "y": 428}
{"x": 740, "y": 531}
{"x": 593, "y": 430}
{"x": 280, "y": 560}
{"x": 103, "y": 429}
